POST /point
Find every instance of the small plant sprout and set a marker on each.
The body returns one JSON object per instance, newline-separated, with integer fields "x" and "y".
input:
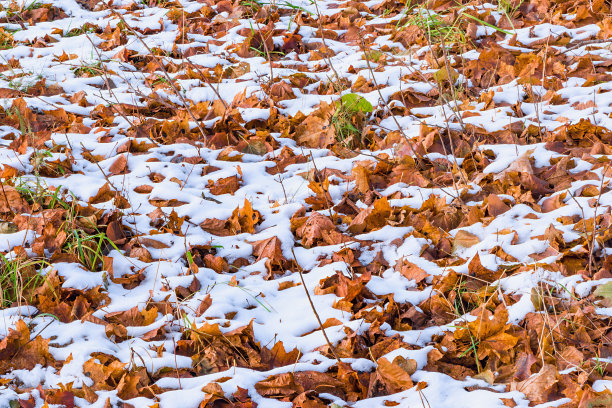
{"x": 19, "y": 277}
{"x": 349, "y": 119}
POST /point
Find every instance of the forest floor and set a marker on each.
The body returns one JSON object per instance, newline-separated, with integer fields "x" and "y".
{"x": 305, "y": 203}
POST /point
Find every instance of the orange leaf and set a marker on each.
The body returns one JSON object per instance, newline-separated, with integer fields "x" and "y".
{"x": 538, "y": 387}
{"x": 119, "y": 166}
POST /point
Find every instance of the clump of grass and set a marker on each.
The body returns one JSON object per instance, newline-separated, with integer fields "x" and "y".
{"x": 374, "y": 56}
{"x": 19, "y": 81}
{"x": 24, "y": 84}
{"x": 16, "y": 9}
{"x": 88, "y": 248}
{"x": 509, "y": 8}
{"x": 435, "y": 27}
{"x": 35, "y": 192}
{"x": 441, "y": 29}
{"x": 156, "y": 3}
{"x": 84, "y": 29}
{"x": 19, "y": 278}
{"x": 89, "y": 70}
{"x": 6, "y": 39}
{"x": 349, "y": 119}
{"x": 251, "y": 7}
{"x": 84, "y": 241}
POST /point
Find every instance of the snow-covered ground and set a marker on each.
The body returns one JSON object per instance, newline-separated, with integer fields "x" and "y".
{"x": 182, "y": 192}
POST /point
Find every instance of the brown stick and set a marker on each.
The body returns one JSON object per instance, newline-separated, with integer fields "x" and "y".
{"x": 327, "y": 57}
{"x": 582, "y": 43}
{"x": 314, "y": 310}
{"x": 413, "y": 147}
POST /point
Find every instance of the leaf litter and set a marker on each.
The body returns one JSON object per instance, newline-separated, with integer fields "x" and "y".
{"x": 175, "y": 175}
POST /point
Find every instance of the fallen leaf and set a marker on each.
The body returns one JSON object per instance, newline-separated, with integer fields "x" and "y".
{"x": 119, "y": 166}
{"x": 11, "y": 201}
{"x": 465, "y": 239}
{"x": 539, "y": 386}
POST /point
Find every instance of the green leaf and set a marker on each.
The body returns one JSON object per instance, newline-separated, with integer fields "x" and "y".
{"x": 355, "y": 103}
{"x": 605, "y": 291}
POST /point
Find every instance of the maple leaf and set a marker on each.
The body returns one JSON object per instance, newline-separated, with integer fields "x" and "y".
{"x": 133, "y": 317}
{"x": 372, "y": 218}
{"x": 490, "y": 331}
{"x": 278, "y": 356}
{"x": 244, "y": 219}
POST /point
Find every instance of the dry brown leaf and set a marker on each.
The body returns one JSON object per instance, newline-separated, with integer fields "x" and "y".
{"x": 119, "y": 166}
{"x": 227, "y": 185}
{"x": 270, "y": 248}
{"x": 412, "y": 271}
{"x": 495, "y": 206}
{"x": 465, "y": 239}
{"x": 538, "y": 387}
{"x": 11, "y": 201}
{"x": 318, "y": 229}
{"x": 316, "y": 130}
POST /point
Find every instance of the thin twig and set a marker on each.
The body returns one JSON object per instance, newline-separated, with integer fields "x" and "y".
{"x": 581, "y": 44}
{"x": 314, "y": 310}
{"x": 384, "y": 101}
{"x": 161, "y": 67}
{"x": 327, "y": 57}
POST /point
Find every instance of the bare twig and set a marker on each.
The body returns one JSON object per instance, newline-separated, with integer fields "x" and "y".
{"x": 161, "y": 67}
{"x": 582, "y": 44}
{"x": 327, "y": 57}
{"x": 314, "y": 310}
